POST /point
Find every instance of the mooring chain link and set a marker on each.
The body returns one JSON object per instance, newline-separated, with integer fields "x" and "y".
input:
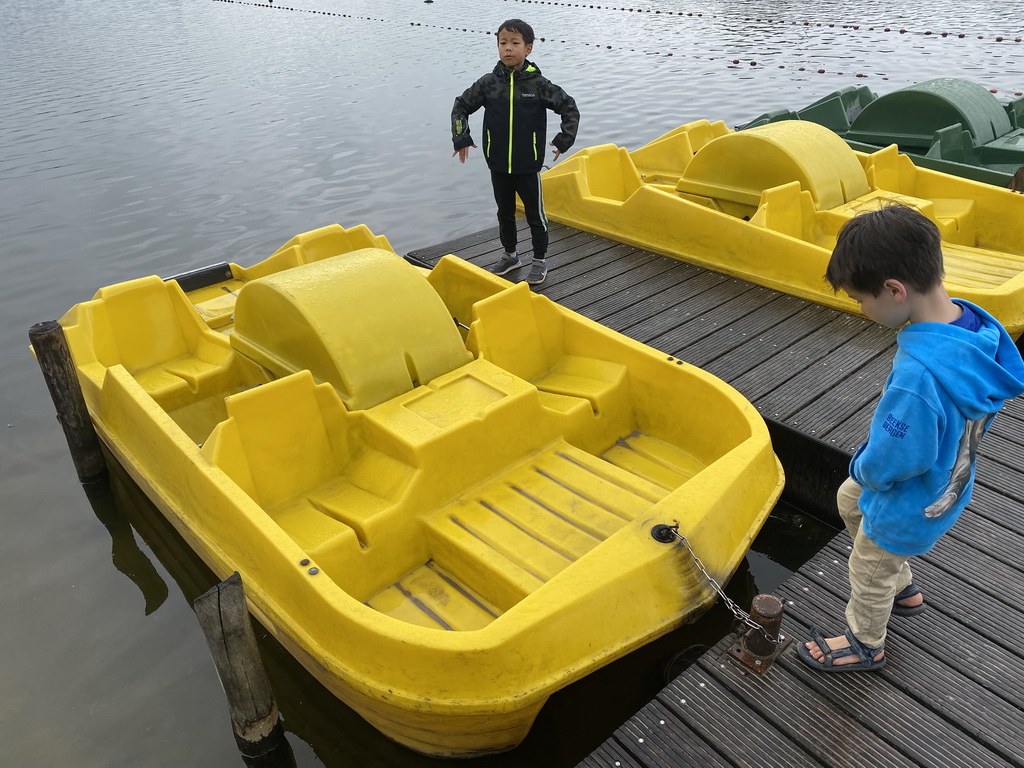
{"x": 741, "y": 616}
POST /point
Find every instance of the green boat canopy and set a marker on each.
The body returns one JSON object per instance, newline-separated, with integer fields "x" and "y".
{"x": 946, "y": 124}
{"x": 910, "y": 117}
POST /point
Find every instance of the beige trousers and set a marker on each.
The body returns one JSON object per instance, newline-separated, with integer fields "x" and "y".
{"x": 876, "y": 576}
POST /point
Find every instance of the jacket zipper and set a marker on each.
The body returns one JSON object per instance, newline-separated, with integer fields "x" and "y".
{"x": 511, "y": 102}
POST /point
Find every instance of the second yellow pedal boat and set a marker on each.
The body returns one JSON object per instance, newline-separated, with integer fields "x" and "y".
{"x": 439, "y": 488}
{"x": 765, "y": 204}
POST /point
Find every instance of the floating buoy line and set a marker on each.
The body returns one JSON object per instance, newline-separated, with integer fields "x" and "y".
{"x": 732, "y": 63}
{"x": 837, "y": 25}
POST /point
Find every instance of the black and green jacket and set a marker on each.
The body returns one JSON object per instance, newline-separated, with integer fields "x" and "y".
{"x": 515, "y": 117}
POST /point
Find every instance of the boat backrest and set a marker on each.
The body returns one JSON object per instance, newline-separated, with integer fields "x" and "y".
{"x": 888, "y": 169}
{"x": 508, "y": 331}
{"x": 667, "y": 156}
{"x": 281, "y": 439}
{"x": 315, "y": 245}
{"x": 738, "y": 166}
{"x": 461, "y": 284}
{"x": 142, "y": 323}
{"x": 788, "y": 210}
{"x": 367, "y": 321}
{"x": 610, "y": 173}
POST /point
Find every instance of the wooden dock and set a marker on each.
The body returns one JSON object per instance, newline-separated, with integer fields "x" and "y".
{"x": 952, "y": 692}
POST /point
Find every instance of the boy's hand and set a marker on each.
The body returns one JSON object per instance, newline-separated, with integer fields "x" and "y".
{"x": 462, "y": 153}
{"x": 557, "y": 153}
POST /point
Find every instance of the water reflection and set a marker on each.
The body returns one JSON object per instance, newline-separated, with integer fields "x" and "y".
{"x": 124, "y": 551}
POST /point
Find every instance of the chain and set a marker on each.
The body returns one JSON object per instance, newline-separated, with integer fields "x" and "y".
{"x": 742, "y": 617}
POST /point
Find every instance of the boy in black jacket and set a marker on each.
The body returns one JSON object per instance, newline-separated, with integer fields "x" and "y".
{"x": 516, "y": 97}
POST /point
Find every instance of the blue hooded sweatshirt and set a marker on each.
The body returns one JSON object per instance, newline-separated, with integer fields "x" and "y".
{"x": 916, "y": 470}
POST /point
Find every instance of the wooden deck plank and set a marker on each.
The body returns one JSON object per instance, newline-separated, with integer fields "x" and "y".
{"x": 981, "y": 569}
{"x": 808, "y": 718}
{"x": 848, "y": 435}
{"x": 632, "y": 289}
{"x": 716, "y": 306}
{"x": 833, "y": 379}
{"x": 967, "y": 705}
{"x": 1010, "y": 427}
{"x": 798, "y": 358}
{"x": 898, "y": 718}
{"x": 652, "y": 328}
{"x": 989, "y": 502}
{"x": 990, "y": 536}
{"x": 662, "y": 299}
{"x": 656, "y": 733}
{"x": 976, "y": 608}
{"x": 755, "y": 312}
{"x": 611, "y": 754}
{"x": 1002, "y": 449}
{"x": 997, "y": 474}
{"x": 856, "y": 390}
{"x": 773, "y": 340}
{"x": 943, "y": 630}
{"x": 728, "y": 723}
{"x": 597, "y": 268}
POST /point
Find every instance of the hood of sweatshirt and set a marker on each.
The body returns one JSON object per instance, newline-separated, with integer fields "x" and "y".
{"x": 977, "y": 369}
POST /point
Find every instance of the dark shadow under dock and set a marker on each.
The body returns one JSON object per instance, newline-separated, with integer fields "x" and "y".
{"x": 952, "y": 693}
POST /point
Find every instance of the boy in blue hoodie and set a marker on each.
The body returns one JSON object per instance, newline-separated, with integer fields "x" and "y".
{"x": 516, "y": 97}
{"x": 954, "y": 367}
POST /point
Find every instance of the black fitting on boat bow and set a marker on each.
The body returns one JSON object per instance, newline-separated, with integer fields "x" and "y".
{"x": 666, "y": 534}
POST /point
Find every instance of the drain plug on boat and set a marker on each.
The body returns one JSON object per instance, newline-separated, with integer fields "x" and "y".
{"x": 666, "y": 534}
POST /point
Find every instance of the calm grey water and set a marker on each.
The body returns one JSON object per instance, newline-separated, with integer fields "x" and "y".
{"x": 152, "y": 137}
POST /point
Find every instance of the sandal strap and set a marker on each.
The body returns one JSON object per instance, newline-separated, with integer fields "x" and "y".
{"x": 909, "y": 591}
{"x": 818, "y": 637}
{"x": 866, "y": 654}
{"x": 829, "y": 654}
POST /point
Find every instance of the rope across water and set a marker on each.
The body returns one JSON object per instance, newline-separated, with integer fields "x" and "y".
{"x": 733, "y": 63}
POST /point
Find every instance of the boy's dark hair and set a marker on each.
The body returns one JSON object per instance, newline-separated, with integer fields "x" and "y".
{"x": 519, "y": 26}
{"x": 895, "y": 242}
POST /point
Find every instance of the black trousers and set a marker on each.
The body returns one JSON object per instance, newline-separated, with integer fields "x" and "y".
{"x": 527, "y": 186}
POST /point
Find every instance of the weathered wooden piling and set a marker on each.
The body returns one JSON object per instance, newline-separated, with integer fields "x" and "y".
{"x": 54, "y": 357}
{"x": 1017, "y": 180}
{"x": 255, "y": 719}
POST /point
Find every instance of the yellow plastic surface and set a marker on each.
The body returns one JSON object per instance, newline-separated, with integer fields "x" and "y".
{"x": 766, "y": 204}
{"x": 445, "y": 549}
{"x": 739, "y": 166}
{"x": 368, "y": 323}
{"x": 216, "y": 303}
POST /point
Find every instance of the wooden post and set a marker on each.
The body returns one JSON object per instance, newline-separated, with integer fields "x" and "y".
{"x": 54, "y": 357}
{"x": 1017, "y": 180}
{"x": 254, "y": 716}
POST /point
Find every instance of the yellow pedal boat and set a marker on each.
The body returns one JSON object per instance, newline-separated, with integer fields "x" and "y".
{"x": 765, "y": 205}
{"x": 439, "y": 488}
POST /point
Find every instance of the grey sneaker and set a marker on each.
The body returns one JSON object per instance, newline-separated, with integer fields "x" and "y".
{"x": 538, "y": 271}
{"x": 509, "y": 261}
